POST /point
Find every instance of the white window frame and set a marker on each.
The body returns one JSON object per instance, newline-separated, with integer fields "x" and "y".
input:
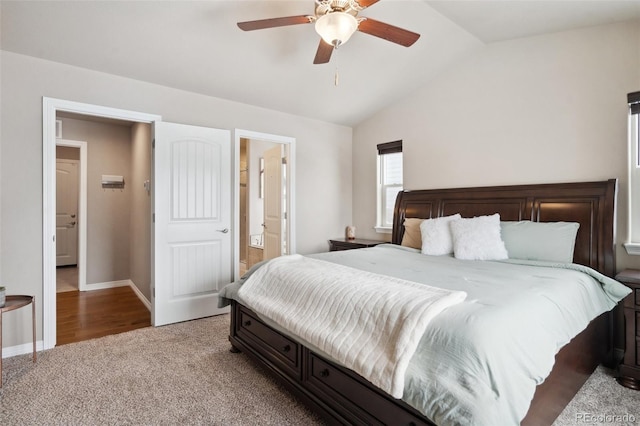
{"x": 633, "y": 214}
{"x": 633, "y": 236}
{"x": 384, "y": 225}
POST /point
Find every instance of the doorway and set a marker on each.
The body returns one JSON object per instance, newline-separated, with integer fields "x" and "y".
{"x": 51, "y": 108}
{"x": 71, "y": 226}
{"x": 67, "y": 207}
{"x": 101, "y": 193}
{"x": 265, "y": 197}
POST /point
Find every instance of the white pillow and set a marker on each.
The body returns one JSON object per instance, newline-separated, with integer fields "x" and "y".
{"x": 550, "y": 241}
{"x": 478, "y": 238}
{"x": 436, "y": 235}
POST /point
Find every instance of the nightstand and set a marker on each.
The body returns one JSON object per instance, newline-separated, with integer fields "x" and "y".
{"x": 629, "y": 370}
{"x": 345, "y": 244}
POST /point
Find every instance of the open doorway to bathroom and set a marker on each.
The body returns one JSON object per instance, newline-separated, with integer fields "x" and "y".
{"x": 264, "y": 201}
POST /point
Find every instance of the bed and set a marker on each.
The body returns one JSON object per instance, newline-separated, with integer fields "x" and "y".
{"x": 342, "y": 396}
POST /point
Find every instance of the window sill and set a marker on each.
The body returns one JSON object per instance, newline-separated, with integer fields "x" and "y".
{"x": 383, "y": 230}
{"x": 632, "y": 249}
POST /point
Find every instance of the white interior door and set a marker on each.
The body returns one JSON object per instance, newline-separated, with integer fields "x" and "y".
{"x": 273, "y": 202}
{"x": 192, "y": 235}
{"x": 66, "y": 212}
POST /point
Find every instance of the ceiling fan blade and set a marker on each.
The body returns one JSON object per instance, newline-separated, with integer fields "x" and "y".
{"x": 274, "y": 22}
{"x": 388, "y": 32}
{"x": 323, "y": 55}
{"x": 367, "y": 3}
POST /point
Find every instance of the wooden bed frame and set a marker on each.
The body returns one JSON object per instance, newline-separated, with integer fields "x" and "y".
{"x": 343, "y": 397}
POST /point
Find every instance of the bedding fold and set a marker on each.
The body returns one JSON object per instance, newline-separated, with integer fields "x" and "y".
{"x": 369, "y": 323}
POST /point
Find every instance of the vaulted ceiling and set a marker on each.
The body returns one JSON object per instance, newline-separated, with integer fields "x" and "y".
{"x": 197, "y": 46}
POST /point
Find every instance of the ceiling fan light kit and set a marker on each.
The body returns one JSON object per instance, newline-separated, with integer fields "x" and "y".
{"x": 335, "y": 22}
{"x": 336, "y": 28}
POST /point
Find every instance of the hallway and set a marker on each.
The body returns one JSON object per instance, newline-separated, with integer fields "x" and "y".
{"x": 90, "y": 314}
{"x": 66, "y": 278}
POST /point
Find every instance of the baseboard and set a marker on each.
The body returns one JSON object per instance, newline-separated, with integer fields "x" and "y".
{"x": 25, "y": 348}
{"x": 141, "y": 296}
{"x": 121, "y": 283}
{"x": 108, "y": 284}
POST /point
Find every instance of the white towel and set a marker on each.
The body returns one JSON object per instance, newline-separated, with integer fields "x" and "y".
{"x": 369, "y": 323}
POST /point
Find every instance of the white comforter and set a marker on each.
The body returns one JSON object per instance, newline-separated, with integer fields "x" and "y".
{"x": 375, "y": 326}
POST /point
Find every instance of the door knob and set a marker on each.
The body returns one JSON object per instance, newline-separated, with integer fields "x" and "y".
{"x": 72, "y": 216}
{"x": 224, "y": 231}
{"x": 72, "y": 224}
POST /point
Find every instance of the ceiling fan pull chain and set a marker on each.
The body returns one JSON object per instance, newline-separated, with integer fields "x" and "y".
{"x": 336, "y": 77}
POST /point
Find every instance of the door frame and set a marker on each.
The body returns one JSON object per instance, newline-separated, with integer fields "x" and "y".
{"x": 290, "y": 145}
{"x": 50, "y": 106}
{"x": 82, "y": 209}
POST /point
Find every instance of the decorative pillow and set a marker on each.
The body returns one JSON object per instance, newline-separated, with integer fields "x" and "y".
{"x": 436, "y": 235}
{"x": 411, "y": 237}
{"x": 478, "y": 238}
{"x": 551, "y": 241}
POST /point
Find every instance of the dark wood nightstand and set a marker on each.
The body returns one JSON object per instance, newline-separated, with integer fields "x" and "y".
{"x": 345, "y": 244}
{"x": 629, "y": 370}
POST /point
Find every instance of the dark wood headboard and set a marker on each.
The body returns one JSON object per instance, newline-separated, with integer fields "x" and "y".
{"x": 591, "y": 204}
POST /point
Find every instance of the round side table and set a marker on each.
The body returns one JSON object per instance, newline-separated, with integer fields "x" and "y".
{"x": 14, "y": 302}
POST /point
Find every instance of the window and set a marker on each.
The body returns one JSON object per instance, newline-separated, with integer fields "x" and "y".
{"x": 633, "y": 241}
{"x": 389, "y": 183}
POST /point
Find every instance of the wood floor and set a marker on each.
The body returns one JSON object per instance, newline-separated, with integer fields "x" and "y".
{"x": 97, "y": 313}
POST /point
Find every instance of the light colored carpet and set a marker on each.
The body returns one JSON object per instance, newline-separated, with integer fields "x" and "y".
{"x": 178, "y": 374}
{"x": 602, "y": 401}
{"x": 185, "y": 374}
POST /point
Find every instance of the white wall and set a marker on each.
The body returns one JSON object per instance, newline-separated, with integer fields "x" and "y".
{"x": 542, "y": 109}
{"x": 323, "y": 174}
{"x": 140, "y": 221}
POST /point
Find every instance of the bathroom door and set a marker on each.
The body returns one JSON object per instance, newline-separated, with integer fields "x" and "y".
{"x": 273, "y": 202}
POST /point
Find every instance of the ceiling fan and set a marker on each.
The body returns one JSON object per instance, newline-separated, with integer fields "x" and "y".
{"x": 336, "y": 21}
